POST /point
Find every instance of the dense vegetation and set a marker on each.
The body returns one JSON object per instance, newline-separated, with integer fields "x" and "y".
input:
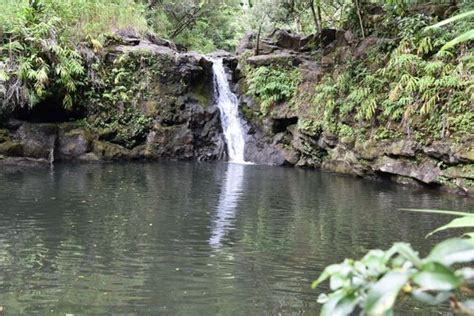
{"x": 404, "y": 84}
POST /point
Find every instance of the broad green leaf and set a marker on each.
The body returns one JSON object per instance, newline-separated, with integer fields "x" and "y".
{"x": 406, "y": 252}
{"x": 452, "y": 19}
{"x": 452, "y": 251}
{"x": 382, "y": 295}
{"x": 467, "y": 36}
{"x": 330, "y": 270}
{"x": 340, "y": 304}
{"x": 466, "y": 273}
{"x": 469, "y": 237}
{"x": 436, "y": 277}
{"x": 437, "y": 212}
{"x": 461, "y": 222}
{"x": 337, "y": 281}
{"x": 431, "y": 299}
{"x": 323, "y": 298}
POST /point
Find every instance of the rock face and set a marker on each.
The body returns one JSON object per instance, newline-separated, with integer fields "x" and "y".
{"x": 276, "y": 137}
{"x": 165, "y": 110}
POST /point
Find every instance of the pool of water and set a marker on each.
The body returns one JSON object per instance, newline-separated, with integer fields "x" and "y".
{"x": 192, "y": 238}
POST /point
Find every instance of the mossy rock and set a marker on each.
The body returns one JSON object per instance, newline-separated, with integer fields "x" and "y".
{"x": 11, "y": 149}
{"x": 466, "y": 172}
{"x": 108, "y": 151}
{"x": 4, "y": 136}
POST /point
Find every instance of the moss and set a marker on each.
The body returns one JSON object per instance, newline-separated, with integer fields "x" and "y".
{"x": 4, "y": 136}
{"x": 11, "y": 148}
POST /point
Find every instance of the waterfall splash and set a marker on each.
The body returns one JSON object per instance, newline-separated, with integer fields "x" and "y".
{"x": 228, "y": 105}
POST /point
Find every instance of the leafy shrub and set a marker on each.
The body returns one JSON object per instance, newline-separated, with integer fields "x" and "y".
{"x": 374, "y": 283}
{"x": 38, "y": 63}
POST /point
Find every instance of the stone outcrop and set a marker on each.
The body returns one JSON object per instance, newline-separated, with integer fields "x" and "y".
{"x": 175, "y": 101}
{"x": 445, "y": 163}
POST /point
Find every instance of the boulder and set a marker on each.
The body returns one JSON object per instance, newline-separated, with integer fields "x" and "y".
{"x": 402, "y": 148}
{"x": 172, "y": 142}
{"x": 11, "y": 149}
{"x": 280, "y": 58}
{"x": 38, "y": 140}
{"x": 73, "y": 144}
{"x": 107, "y": 151}
{"x": 440, "y": 150}
{"x": 285, "y": 39}
{"x": 342, "y": 166}
{"x": 245, "y": 43}
{"x": 426, "y": 172}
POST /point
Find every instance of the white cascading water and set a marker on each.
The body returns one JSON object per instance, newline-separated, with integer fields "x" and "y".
{"x": 228, "y": 105}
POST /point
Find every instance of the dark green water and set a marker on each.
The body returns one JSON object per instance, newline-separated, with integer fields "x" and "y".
{"x": 191, "y": 239}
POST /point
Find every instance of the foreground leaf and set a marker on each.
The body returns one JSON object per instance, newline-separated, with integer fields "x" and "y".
{"x": 452, "y": 19}
{"x": 436, "y": 277}
{"x": 437, "y": 212}
{"x": 452, "y": 251}
{"x": 462, "y": 222}
{"x": 467, "y": 36}
{"x": 382, "y": 295}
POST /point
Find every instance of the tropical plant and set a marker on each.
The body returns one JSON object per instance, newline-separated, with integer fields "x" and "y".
{"x": 374, "y": 283}
{"x": 272, "y": 85}
{"x": 464, "y": 37}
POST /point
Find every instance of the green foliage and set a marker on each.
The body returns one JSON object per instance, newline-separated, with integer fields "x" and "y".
{"x": 272, "y": 85}
{"x": 416, "y": 87}
{"x": 462, "y": 220}
{"x": 464, "y": 37}
{"x": 374, "y": 283}
{"x": 116, "y": 97}
{"x": 38, "y": 62}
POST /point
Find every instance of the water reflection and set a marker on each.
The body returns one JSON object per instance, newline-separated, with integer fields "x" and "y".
{"x": 228, "y": 203}
{"x": 138, "y": 239}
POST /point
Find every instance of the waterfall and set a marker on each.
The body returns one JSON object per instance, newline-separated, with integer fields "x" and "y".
{"x": 228, "y": 105}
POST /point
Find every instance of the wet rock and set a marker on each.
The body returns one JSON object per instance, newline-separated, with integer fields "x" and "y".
{"x": 343, "y": 167}
{"x": 327, "y": 140}
{"x": 466, "y": 172}
{"x": 73, "y": 144}
{"x": 171, "y": 142}
{"x": 406, "y": 181}
{"x": 465, "y": 154}
{"x": 426, "y": 172}
{"x": 4, "y": 135}
{"x": 368, "y": 150}
{"x": 38, "y": 140}
{"x": 403, "y": 148}
{"x": 440, "y": 150}
{"x": 11, "y": 148}
{"x": 23, "y": 162}
{"x": 107, "y": 151}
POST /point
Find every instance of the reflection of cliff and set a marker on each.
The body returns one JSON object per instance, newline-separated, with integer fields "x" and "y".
{"x": 228, "y": 202}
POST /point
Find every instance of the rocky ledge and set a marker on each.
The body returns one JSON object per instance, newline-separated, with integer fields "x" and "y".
{"x": 162, "y": 109}
{"x": 446, "y": 163}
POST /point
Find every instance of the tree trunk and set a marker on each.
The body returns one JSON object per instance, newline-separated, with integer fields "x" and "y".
{"x": 257, "y": 45}
{"x": 317, "y": 22}
{"x": 359, "y": 14}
